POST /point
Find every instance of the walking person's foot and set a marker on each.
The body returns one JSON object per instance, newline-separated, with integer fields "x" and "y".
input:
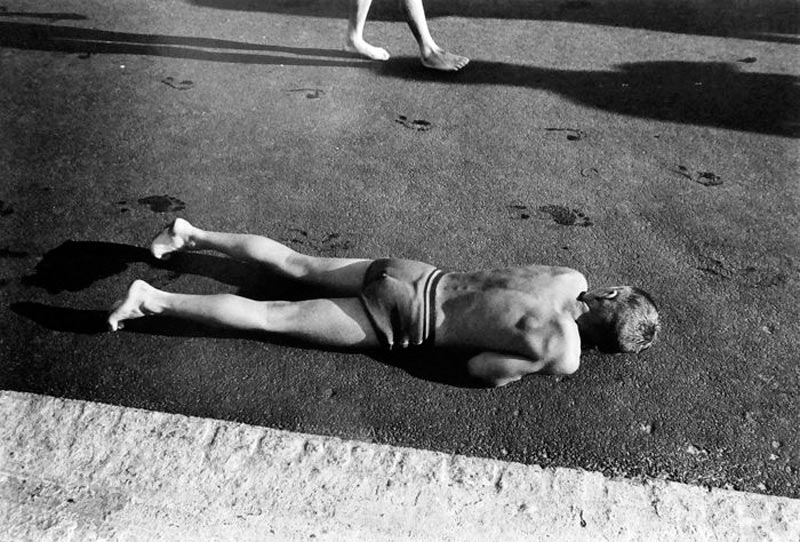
{"x": 358, "y": 45}
{"x": 439, "y": 59}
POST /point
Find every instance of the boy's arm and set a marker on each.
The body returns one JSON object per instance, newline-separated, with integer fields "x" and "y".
{"x": 556, "y": 350}
{"x": 498, "y": 369}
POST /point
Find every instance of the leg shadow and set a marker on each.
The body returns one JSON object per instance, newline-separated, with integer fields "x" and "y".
{"x": 74, "y": 266}
{"x": 90, "y": 41}
{"x": 765, "y": 20}
{"x": 439, "y": 366}
{"x": 713, "y": 94}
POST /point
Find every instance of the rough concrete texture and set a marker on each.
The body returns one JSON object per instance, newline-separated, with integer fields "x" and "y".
{"x": 75, "y": 470}
{"x": 643, "y": 142}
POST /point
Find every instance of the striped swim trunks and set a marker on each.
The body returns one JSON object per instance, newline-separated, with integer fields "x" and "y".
{"x": 400, "y": 299}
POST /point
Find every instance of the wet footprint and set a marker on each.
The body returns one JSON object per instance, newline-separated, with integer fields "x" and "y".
{"x": 7, "y": 252}
{"x": 566, "y": 217}
{"x": 329, "y": 243}
{"x": 419, "y": 125}
{"x": 5, "y": 209}
{"x": 573, "y": 134}
{"x": 123, "y": 206}
{"x": 162, "y": 204}
{"x": 749, "y": 276}
{"x": 519, "y": 212}
{"x": 706, "y": 178}
{"x": 178, "y": 85}
{"x": 311, "y": 93}
{"x": 590, "y": 172}
{"x": 716, "y": 267}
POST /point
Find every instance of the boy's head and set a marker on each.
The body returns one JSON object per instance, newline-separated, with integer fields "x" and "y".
{"x": 620, "y": 319}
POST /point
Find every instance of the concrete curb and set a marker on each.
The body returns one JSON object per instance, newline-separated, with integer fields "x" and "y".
{"x": 74, "y": 470}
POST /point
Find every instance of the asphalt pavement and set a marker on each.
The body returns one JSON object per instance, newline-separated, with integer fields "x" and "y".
{"x": 648, "y": 143}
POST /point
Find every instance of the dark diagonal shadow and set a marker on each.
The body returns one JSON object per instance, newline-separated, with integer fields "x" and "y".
{"x": 76, "y": 265}
{"x": 47, "y": 16}
{"x": 93, "y": 322}
{"x": 763, "y": 20}
{"x": 83, "y": 322}
{"x": 89, "y": 41}
{"x": 701, "y": 93}
{"x": 440, "y": 366}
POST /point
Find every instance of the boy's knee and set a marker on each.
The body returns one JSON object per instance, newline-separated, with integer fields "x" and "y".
{"x": 299, "y": 265}
{"x": 280, "y": 316}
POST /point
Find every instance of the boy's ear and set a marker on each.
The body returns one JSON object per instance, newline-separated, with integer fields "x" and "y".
{"x": 608, "y": 293}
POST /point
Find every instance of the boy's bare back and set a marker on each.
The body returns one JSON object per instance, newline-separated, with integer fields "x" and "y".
{"x": 526, "y": 311}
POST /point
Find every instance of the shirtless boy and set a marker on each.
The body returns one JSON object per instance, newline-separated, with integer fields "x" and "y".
{"x": 513, "y": 322}
{"x": 431, "y": 55}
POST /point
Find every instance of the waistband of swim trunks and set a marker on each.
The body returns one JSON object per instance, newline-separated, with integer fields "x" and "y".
{"x": 429, "y": 315}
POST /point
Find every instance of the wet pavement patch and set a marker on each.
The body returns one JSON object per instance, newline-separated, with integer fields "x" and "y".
{"x": 185, "y": 84}
{"x": 763, "y": 275}
{"x": 419, "y": 125}
{"x": 310, "y": 93}
{"x": 565, "y": 216}
{"x": 573, "y": 134}
{"x": 519, "y": 212}
{"x": 5, "y": 209}
{"x": 162, "y": 204}
{"x": 705, "y": 178}
{"x": 328, "y": 243}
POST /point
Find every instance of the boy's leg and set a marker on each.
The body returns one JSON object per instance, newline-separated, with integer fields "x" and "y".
{"x": 325, "y": 322}
{"x": 339, "y": 276}
{"x": 432, "y": 55}
{"x": 355, "y": 32}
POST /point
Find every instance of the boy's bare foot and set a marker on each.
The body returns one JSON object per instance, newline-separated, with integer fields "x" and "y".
{"x": 358, "y": 45}
{"x": 438, "y": 59}
{"x": 132, "y": 306}
{"x": 175, "y": 237}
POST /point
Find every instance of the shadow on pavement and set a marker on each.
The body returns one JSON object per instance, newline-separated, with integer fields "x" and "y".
{"x": 702, "y": 93}
{"x": 439, "y": 367}
{"x": 764, "y": 20}
{"x": 76, "y": 265}
{"x": 83, "y": 322}
{"x": 52, "y": 16}
{"x": 89, "y": 41}
{"x": 93, "y": 322}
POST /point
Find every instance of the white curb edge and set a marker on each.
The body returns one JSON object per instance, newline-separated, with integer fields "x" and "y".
{"x": 76, "y": 470}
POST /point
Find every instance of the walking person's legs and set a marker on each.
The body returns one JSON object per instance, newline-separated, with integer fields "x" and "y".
{"x": 431, "y": 54}
{"x": 355, "y": 32}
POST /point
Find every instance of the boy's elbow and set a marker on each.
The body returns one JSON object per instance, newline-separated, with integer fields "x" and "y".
{"x": 566, "y": 365}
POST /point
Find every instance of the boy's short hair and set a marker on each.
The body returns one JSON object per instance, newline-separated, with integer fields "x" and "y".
{"x": 634, "y": 325}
